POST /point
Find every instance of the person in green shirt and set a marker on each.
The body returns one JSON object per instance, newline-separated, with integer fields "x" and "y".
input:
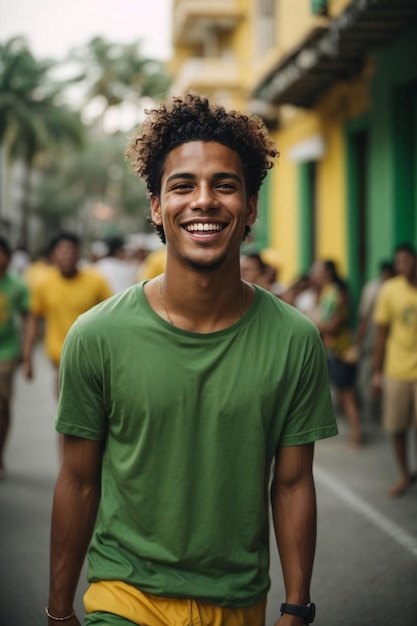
{"x": 14, "y": 302}
{"x": 182, "y": 397}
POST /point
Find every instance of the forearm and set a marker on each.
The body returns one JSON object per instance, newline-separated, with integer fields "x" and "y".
{"x": 73, "y": 517}
{"x": 379, "y": 349}
{"x": 30, "y": 335}
{"x": 294, "y": 514}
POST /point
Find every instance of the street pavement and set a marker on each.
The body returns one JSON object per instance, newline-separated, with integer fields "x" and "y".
{"x": 365, "y": 570}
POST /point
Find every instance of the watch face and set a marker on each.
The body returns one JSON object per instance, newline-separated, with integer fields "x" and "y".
{"x": 312, "y": 612}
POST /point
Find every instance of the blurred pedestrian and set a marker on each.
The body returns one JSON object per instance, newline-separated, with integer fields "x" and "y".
{"x": 333, "y": 321}
{"x": 98, "y": 250}
{"x": 14, "y": 302}
{"x": 365, "y": 338}
{"x": 59, "y": 297}
{"x": 301, "y": 295}
{"x": 273, "y": 263}
{"x": 253, "y": 270}
{"x": 153, "y": 265}
{"x": 19, "y": 261}
{"x": 162, "y": 403}
{"x": 37, "y": 270}
{"x": 395, "y": 358}
{"x": 118, "y": 271}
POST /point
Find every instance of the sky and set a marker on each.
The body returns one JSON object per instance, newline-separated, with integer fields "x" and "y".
{"x": 53, "y": 27}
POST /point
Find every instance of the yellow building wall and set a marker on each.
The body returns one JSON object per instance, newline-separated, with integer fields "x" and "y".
{"x": 295, "y": 21}
{"x": 331, "y": 200}
{"x": 283, "y": 213}
{"x": 285, "y": 203}
{"x": 327, "y": 120}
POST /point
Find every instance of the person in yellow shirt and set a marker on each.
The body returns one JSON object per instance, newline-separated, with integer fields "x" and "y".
{"x": 395, "y": 358}
{"x": 36, "y": 271}
{"x": 153, "y": 265}
{"x": 59, "y": 297}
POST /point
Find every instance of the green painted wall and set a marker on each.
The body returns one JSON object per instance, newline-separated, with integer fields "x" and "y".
{"x": 357, "y": 226}
{"x": 392, "y": 154}
{"x": 261, "y": 229}
{"x": 306, "y": 216}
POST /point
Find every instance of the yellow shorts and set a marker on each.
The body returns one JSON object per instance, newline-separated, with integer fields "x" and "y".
{"x": 117, "y": 599}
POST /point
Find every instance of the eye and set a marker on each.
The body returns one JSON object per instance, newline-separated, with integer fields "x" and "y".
{"x": 226, "y": 186}
{"x": 182, "y": 187}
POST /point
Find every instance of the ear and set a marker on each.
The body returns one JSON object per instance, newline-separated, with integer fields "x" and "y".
{"x": 156, "y": 213}
{"x": 252, "y": 212}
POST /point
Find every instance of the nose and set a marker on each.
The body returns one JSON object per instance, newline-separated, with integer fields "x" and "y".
{"x": 204, "y": 198}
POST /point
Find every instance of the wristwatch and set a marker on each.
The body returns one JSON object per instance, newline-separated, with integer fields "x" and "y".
{"x": 306, "y": 611}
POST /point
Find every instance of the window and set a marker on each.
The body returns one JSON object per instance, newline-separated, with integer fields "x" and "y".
{"x": 266, "y": 31}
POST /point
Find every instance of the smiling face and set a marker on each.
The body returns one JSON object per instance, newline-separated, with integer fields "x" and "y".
{"x": 203, "y": 205}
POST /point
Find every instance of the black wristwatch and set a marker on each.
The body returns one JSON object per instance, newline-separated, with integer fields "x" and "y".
{"x": 306, "y": 611}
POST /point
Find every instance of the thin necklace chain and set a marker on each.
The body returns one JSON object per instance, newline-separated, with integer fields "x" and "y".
{"x": 166, "y": 310}
{"x": 163, "y": 301}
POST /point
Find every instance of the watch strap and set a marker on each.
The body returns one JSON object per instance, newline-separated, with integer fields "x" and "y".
{"x": 306, "y": 611}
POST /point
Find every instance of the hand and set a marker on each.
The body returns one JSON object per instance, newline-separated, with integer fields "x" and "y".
{"x": 376, "y": 383}
{"x": 27, "y": 368}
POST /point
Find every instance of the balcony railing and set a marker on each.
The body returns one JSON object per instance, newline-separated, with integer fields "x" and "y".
{"x": 193, "y": 17}
{"x": 207, "y": 75}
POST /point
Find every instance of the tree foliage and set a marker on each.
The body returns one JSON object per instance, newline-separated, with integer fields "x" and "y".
{"x": 32, "y": 120}
{"x": 99, "y": 175}
{"x": 118, "y": 74}
{"x": 77, "y": 166}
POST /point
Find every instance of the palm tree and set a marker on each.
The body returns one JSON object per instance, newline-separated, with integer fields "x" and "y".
{"x": 32, "y": 119}
{"x": 99, "y": 175}
{"x": 118, "y": 75}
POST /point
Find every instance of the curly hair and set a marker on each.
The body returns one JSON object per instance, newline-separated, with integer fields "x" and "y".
{"x": 192, "y": 118}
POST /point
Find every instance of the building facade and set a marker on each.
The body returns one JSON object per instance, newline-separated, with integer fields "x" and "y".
{"x": 336, "y": 81}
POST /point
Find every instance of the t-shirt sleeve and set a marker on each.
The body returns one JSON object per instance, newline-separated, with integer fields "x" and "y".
{"x": 311, "y": 415}
{"x": 81, "y": 411}
{"x": 36, "y": 300}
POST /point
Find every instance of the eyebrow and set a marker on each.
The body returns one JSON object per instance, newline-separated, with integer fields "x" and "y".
{"x": 216, "y": 176}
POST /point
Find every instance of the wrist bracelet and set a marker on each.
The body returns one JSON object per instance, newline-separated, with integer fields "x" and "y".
{"x": 59, "y": 619}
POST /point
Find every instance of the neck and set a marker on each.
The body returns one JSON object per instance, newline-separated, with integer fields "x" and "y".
{"x": 203, "y": 303}
{"x": 412, "y": 280}
{"x": 68, "y": 273}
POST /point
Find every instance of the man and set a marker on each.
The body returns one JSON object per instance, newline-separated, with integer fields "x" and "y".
{"x": 176, "y": 396}
{"x": 253, "y": 270}
{"x": 62, "y": 293}
{"x": 14, "y": 302}
{"x": 395, "y": 356}
{"x": 119, "y": 272}
{"x": 153, "y": 265}
{"x": 365, "y": 338}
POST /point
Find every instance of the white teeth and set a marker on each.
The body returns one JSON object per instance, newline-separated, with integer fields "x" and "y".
{"x": 203, "y": 227}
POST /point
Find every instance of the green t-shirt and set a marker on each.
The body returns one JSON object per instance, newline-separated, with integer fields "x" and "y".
{"x": 191, "y": 423}
{"x": 14, "y": 300}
